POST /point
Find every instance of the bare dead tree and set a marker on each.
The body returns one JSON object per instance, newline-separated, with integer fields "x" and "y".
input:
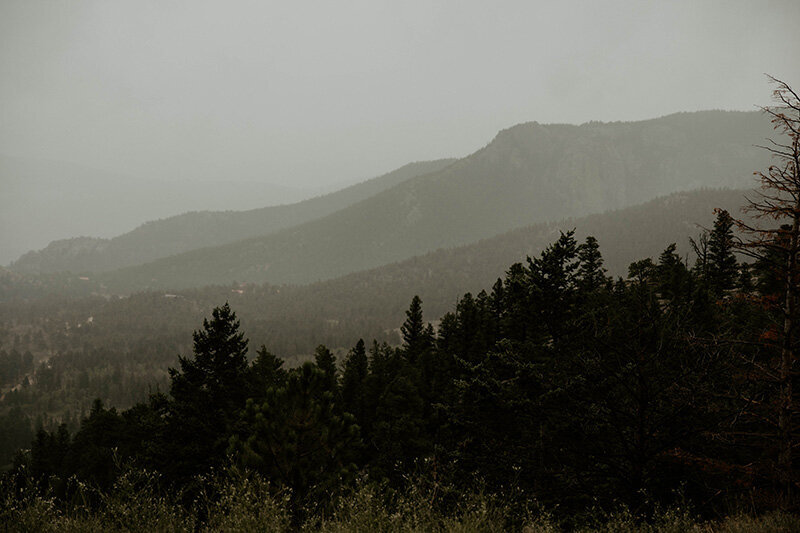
{"x": 773, "y": 239}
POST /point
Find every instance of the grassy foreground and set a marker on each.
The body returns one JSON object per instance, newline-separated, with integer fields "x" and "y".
{"x": 243, "y": 502}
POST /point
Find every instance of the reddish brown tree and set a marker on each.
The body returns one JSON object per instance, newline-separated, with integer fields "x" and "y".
{"x": 773, "y": 239}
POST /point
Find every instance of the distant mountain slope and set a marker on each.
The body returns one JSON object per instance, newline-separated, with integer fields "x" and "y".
{"x": 439, "y": 277}
{"x": 370, "y": 304}
{"x": 189, "y": 231}
{"x": 43, "y": 200}
{"x": 529, "y": 173}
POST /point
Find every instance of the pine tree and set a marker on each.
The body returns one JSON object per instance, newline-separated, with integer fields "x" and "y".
{"x": 207, "y": 393}
{"x": 265, "y": 372}
{"x": 415, "y": 335}
{"x": 219, "y": 366}
{"x": 722, "y": 264}
{"x": 326, "y": 361}
{"x": 673, "y": 278}
{"x": 354, "y": 384}
{"x": 552, "y": 288}
{"x": 591, "y": 273}
{"x": 297, "y": 436}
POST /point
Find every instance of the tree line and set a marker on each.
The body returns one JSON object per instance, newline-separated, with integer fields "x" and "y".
{"x": 559, "y": 384}
{"x": 573, "y": 387}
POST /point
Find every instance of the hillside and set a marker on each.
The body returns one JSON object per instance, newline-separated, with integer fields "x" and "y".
{"x": 294, "y": 320}
{"x": 529, "y": 173}
{"x": 43, "y": 200}
{"x": 160, "y": 238}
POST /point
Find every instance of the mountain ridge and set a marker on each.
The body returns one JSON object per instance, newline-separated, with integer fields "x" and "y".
{"x": 293, "y": 320}
{"x": 529, "y": 173}
{"x": 198, "y": 229}
{"x": 43, "y": 200}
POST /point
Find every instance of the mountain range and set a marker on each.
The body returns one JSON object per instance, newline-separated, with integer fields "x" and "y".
{"x": 293, "y": 320}
{"x": 44, "y": 200}
{"x": 198, "y": 229}
{"x": 530, "y": 173}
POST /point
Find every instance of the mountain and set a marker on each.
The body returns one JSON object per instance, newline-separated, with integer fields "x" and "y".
{"x": 292, "y": 321}
{"x": 43, "y": 200}
{"x": 192, "y": 230}
{"x": 529, "y": 173}
{"x": 373, "y": 302}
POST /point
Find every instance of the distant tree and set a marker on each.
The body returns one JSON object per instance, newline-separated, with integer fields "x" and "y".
{"x": 326, "y": 361}
{"x": 674, "y": 280}
{"x": 416, "y": 338}
{"x": 722, "y": 264}
{"x": 266, "y": 371}
{"x": 354, "y": 383}
{"x": 591, "y": 273}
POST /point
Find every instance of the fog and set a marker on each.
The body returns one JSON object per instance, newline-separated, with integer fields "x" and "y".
{"x": 316, "y": 94}
{"x": 164, "y": 103}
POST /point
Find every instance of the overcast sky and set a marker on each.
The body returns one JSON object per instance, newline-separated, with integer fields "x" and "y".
{"x": 307, "y": 93}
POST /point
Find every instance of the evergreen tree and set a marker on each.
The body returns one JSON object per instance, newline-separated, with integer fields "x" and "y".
{"x": 354, "y": 384}
{"x": 552, "y": 288}
{"x": 674, "y": 282}
{"x": 94, "y": 453}
{"x": 266, "y": 371}
{"x": 722, "y": 265}
{"x": 701, "y": 265}
{"x": 591, "y": 273}
{"x": 297, "y": 437}
{"x": 326, "y": 362}
{"x": 777, "y": 247}
{"x": 208, "y": 392}
{"x": 415, "y": 334}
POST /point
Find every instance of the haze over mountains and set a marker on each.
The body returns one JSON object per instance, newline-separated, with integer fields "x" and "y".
{"x": 529, "y": 173}
{"x": 43, "y": 200}
{"x": 292, "y": 321}
{"x": 197, "y": 229}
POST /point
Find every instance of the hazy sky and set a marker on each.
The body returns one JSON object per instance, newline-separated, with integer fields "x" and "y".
{"x": 305, "y": 93}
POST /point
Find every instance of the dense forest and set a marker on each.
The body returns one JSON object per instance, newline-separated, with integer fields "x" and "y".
{"x": 560, "y": 397}
{"x": 117, "y": 349}
{"x": 399, "y": 267}
{"x": 557, "y": 385}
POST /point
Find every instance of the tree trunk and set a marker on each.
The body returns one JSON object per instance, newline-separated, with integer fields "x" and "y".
{"x": 787, "y": 361}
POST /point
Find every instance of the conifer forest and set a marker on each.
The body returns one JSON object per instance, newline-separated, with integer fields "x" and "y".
{"x": 570, "y": 327}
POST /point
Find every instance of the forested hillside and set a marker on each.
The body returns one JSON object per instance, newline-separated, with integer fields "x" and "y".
{"x": 529, "y": 173}
{"x": 164, "y": 237}
{"x": 557, "y": 385}
{"x": 115, "y": 348}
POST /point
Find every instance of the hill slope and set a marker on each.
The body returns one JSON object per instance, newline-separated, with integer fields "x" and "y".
{"x": 369, "y": 302}
{"x": 294, "y": 320}
{"x": 43, "y": 200}
{"x": 176, "y": 234}
{"x": 529, "y": 173}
